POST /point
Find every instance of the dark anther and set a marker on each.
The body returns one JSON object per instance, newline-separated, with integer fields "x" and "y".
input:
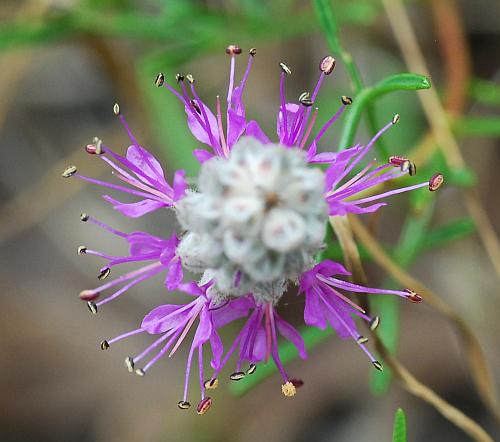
{"x": 211, "y": 384}
{"x": 104, "y": 345}
{"x": 69, "y": 171}
{"x": 361, "y": 340}
{"x": 179, "y": 78}
{"x": 305, "y": 99}
{"x": 374, "y": 323}
{"x": 395, "y": 119}
{"x": 140, "y": 372}
{"x": 104, "y": 273}
{"x": 190, "y": 78}
{"x": 92, "y": 307}
{"x": 413, "y": 296}
{"x": 285, "y": 69}
{"x": 251, "y": 369}
{"x": 129, "y": 363}
{"x": 183, "y": 405}
{"x": 378, "y": 365}
{"x": 116, "y": 109}
{"x": 159, "y": 80}
{"x": 81, "y": 250}
{"x": 84, "y": 217}
{"x": 346, "y": 101}
{"x": 237, "y": 376}
{"x": 252, "y": 52}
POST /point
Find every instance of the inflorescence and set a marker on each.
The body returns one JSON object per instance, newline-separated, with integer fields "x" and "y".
{"x": 253, "y": 225}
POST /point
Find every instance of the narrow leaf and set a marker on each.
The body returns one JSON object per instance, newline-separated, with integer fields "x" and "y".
{"x": 399, "y": 430}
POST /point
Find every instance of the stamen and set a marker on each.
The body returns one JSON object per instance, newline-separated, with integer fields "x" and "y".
{"x": 84, "y": 217}
{"x": 190, "y": 78}
{"x": 374, "y": 323}
{"x": 140, "y": 372}
{"x": 116, "y": 109}
{"x": 234, "y": 50}
{"x": 436, "y": 181}
{"x": 198, "y": 105}
{"x": 285, "y": 69}
{"x": 346, "y": 101}
{"x": 129, "y": 363}
{"x": 327, "y": 65}
{"x": 361, "y": 340}
{"x": 183, "y": 405}
{"x": 92, "y": 307}
{"x": 89, "y": 295}
{"x": 211, "y": 384}
{"x": 69, "y": 171}
{"x": 179, "y": 78}
{"x": 288, "y": 389}
{"x": 237, "y": 376}
{"x": 305, "y": 99}
{"x": 95, "y": 148}
{"x": 204, "y": 405}
{"x": 104, "y": 345}
{"x": 104, "y": 273}
{"x": 378, "y": 365}
{"x": 159, "y": 80}
{"x": 395, "y": 119}
{"x": 251, "y": 369}
{"x": 221, "y": 129}
{"x": 81, "y": 250}
{"x": 309, "y": 128}
{"x": 196, "y": 310}
{"x": 413, "y": 296}
{"x": 252, "y": 52}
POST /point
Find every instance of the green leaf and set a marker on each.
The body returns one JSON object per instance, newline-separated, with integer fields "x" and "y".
{"x": 484, "y": 91}
{"x": 399, "y": 430}
{"x": 452, "y": 231}
{"x": 393, "y": 83}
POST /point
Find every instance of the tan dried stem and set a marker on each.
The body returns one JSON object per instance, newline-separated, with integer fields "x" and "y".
{"x": 438, "y": 121}
{"x": 480, "y": 372}
{"x": 401, "y": 373}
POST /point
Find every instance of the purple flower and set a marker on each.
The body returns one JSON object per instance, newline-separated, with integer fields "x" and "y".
{"x": 253, "y": 225}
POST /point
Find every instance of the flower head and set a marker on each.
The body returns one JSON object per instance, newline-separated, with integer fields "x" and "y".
{"x": 253, "y": 225}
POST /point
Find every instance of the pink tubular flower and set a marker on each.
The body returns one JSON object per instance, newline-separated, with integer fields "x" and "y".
{"x": 253, "y": 224}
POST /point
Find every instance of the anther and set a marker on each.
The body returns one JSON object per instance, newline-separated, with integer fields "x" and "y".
{"x": 211, "y": 384}
{"x": 378, "y": 365}
{"x": 204, "y": 405}
{"x": 395, "y": 119}
{"x": 327, "y": 65}
{"x": 84, "y": 217}
{"x": 81, "y": 250}
{"x": 396, "y": 160}
{"x": 69, "y": 171}
{"x": 237, "y": 376}
{"x": 140, "y": 372}
{"x": 412, "y": 170}
{"x": 183, "y": 405}
{"x": 436, "y": 181}
{"x": 159, "y": 80}
{"x": 104, "y": 345}
{"x": 89, "y": 295}
{"x": 405, "y": 166}
{"x": 288, "y": 389}
{"x": 305, "y": 99}
{"x": 196, "y": 107}
{"x": 104, "y": 273}
{"x": 116, "y": 109}
{"x": 361, "y": 340}
{"x": 95, "y": 148}
{"x": 233, "y": 50}
{"x": 413, "y": 296}
{"x": 346, "y": 101}
{"x": 297, "y": 383}
{"x": 190, "y": 78}
{"x": 285, "y": 69}
{"x": 179, "y": 78}
{"x": 374, "y": 323}
{"x": 251, "y": 369}
{"x": 252, "y": 52}
{"x": 92, "y": 307}
{"x": 129, "y": 363}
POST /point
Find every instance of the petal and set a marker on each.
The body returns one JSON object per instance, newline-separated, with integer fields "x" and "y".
{"x": 146, "y": 162}
{"x": 204, "y": 329}
{"x": 235, "y": 309}
{"x": 344, "y": 312}
{"x": 179, "y": 184}
{"x": 199, "y": 131}
{"x": 328, "y": 267}
{"x": 313, "y": 310}
{"x": 202, "y": 155}
{"x": 311, "y": 152}
{"x": 324, "y": 157}
{"x": 291, "y": 334}
{"x": 135, "y": 210}
{"x": 253, "y": 130}
{"x": 217, "y": 350}
{"x": 164, "y": 318}
{"x": 174, "y": 275}
{"x": 259, "y": 352}
{"x": 191, "y": 288}
{"x": 341, "y": 208}
{"x": 236, "y": 125}
{"x": 142, "y": 243}
{"x": 292, "y": 111}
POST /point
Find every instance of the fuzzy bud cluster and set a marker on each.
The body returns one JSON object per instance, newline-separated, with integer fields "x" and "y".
{"x": 256, "y": 220}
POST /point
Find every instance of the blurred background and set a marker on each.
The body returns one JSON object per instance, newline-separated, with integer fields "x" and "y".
{"x": 64, "y": 63}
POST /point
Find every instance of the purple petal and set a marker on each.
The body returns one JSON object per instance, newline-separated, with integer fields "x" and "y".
{"x": 146, "y": 162}
{"x": 311, "y": 152}
{"x": 313, "y": 311}
{"x": 135, "y": 210}
{"x": 164, "y": 318}
{"x": 345, "y": 313}
{"x": 328, "y": 267}
{"x": 324, "y": 157}
{"x": 198, "y": 130}
{"x": 174, "y": 275}
{"x": 253, "y": 130}
{"x": 202, "y": 155}
{"x": 341, "y": 208}
{"x": 292, "y": 110}
{"x": 235, "y": 309}
{"x": 217, "y": 350}
{"x": 236, "y": 125}
{"x": 204, "y": 329}
{"x": 191, "y": 288}
{"x": 142, "y": 243}
{"x": 291, "y": 334}
{"x": 179, "y": 184}
{"x": 260, "y": 346}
